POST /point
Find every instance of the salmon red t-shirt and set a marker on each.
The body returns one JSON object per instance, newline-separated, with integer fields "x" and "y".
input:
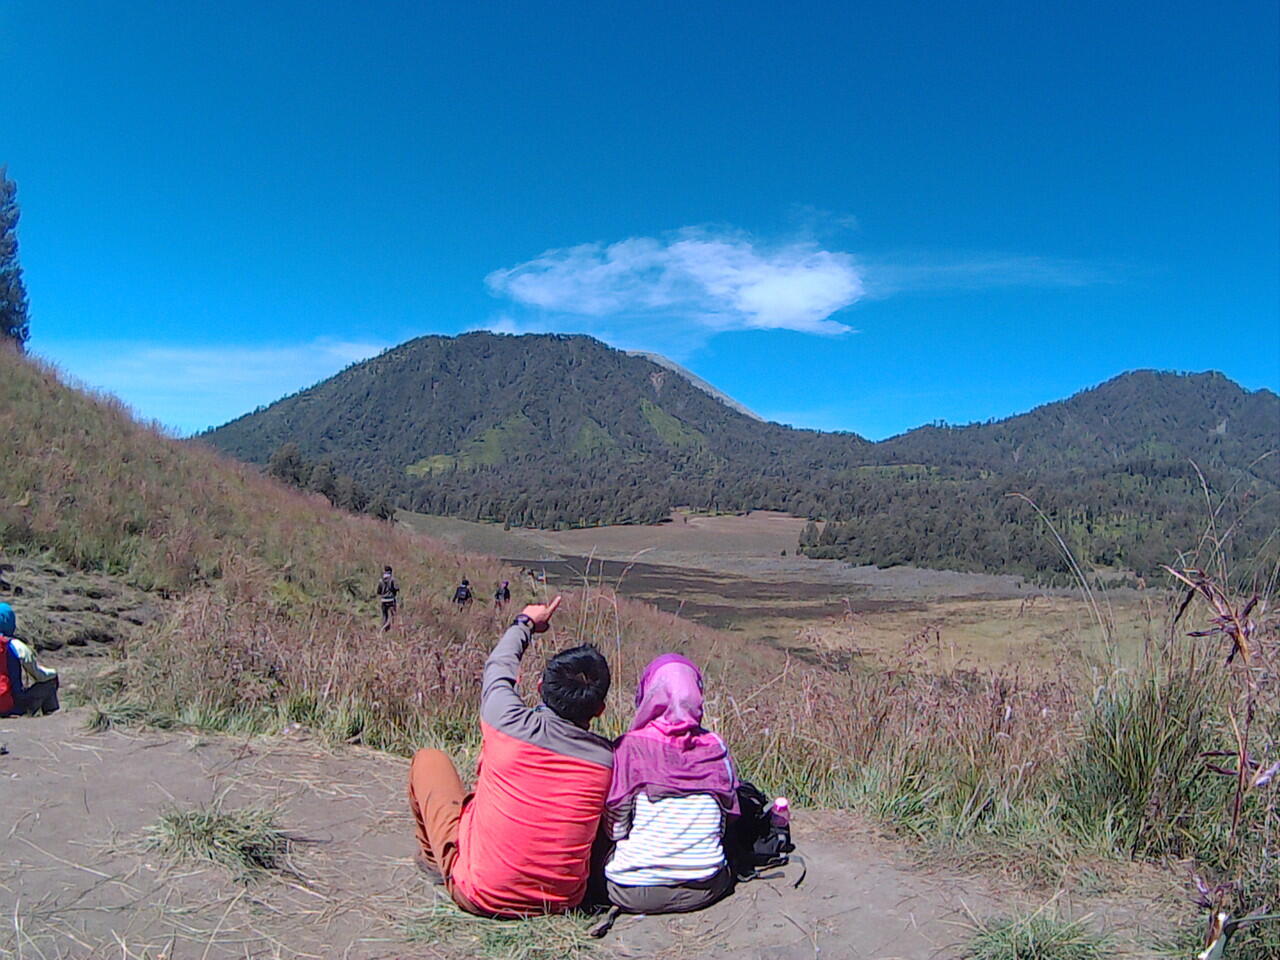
{"x": 524, "y": 844}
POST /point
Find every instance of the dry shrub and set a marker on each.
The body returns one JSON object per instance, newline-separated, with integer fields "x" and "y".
{"x": 937, "y": 754}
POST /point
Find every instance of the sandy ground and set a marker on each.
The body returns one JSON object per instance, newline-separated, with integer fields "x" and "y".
{"x": 746, "y": 546}
{"x": 77, "y": 882}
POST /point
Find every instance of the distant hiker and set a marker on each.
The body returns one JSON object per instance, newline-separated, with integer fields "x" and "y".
{"x": 462, "y": 596}
{"x": 520, "y": 844}
{"x": 388, "y": 592}
{"x": 17, "y": 696}
{"x": 502, "y": 596}
{"x": 674, "y": 788}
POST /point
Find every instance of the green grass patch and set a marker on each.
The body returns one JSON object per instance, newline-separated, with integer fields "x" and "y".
{"x": 246, "y": 841}
{"x": 593, "y": 439}
{"x": 123, "y": 712}
{"x": 489, "y": 449}
{"x": 562, "y": 937}
{"x": 1137, "y": 778}
{"x": 670, "y": 430}
{"x": 440, "y": 463}
{"x": 1036, "y": 936}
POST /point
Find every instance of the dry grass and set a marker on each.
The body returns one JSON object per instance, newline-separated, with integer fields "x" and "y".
{"x": 100, "y": 491}
{"x": 247, "y": 841}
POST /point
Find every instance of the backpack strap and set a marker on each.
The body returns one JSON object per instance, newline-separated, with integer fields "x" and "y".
{"x": 762, "y": 873}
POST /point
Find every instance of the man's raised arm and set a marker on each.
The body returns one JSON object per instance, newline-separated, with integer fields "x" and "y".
{"x": 498, "y": 697}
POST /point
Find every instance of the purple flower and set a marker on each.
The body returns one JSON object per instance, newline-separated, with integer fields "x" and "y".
{"x": 1267, "y": 775}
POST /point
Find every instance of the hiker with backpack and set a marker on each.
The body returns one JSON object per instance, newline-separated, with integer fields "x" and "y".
{"x": 502, "y": 596}
{"x": 26, "y": 687}
{"x": 674, "y": 790}
{"x": 462, "y": 596}
{"x": 520, "y": 843}
{"x": 388, "y": 595}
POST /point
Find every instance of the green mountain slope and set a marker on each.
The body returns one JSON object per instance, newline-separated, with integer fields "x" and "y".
{"x": 539, "y": 430}
{"x": 1129, "y": 471}
{"x": 563, "y": 430}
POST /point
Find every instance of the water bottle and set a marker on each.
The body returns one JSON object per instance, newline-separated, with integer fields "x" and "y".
{"x": 780, "y": 812}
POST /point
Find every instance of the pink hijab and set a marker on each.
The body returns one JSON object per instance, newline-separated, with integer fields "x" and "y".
{"x": 667, "y": 753}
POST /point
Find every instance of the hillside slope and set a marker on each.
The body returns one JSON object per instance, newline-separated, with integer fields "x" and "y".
{"x": 1142, "y": 415}
{"x": 558, "y": 431}
{"x": 271, "y": 614}
{"x": 1132, "y": 472}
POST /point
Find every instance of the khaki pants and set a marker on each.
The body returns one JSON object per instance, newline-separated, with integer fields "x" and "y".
{"x": 436, "y": 797}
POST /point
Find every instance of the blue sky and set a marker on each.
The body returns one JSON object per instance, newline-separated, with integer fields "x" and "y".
{"x": 845, "y": 215}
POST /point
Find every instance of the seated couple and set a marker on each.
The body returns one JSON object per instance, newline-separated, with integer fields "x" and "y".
{"x": 522, "y": 842}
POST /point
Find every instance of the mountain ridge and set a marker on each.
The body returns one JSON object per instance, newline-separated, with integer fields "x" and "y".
{"x": 557, "y": 430}
{"x": 698, "y": 382}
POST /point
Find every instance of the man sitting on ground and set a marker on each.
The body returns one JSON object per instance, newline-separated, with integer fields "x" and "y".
{"x": 521, "y": 843}
{"x": 17, "y": 696}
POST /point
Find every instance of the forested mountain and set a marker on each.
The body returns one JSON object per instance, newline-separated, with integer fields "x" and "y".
{"x": 541, "y": 430}
{"x": 556, "y": 430}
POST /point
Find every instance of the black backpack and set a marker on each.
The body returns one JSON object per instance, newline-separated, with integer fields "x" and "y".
{"x": 752, "y": 841}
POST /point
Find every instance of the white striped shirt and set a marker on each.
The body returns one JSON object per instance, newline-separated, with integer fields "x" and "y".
{"x": 672, "y": 840}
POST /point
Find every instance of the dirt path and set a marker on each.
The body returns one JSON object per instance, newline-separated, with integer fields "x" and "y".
{"x": 77, "y": 882}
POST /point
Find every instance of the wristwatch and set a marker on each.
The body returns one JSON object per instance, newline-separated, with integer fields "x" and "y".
{"x": 523, "y": 621}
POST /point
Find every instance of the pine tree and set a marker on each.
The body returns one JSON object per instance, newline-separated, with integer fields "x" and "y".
{"x": 13, "y": 292}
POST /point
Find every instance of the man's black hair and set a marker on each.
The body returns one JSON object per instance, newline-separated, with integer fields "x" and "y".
{"x": 386, "y": 569}
{"x": 575, "y": 683}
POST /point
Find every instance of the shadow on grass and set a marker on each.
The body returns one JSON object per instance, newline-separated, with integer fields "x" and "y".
{"x": 563, "y": 937}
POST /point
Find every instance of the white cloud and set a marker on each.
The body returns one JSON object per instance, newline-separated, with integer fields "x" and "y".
{"x": 672, "y": 293}
{"x": 190, "y": 388}
{"x": 717, "y": 281}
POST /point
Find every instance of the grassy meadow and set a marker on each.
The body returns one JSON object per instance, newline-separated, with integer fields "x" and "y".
{"x": 741, "y": 574}
{"x": 271, "y": 621}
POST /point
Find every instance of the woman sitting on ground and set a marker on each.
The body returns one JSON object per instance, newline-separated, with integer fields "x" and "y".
{"x": 674, "y": 786}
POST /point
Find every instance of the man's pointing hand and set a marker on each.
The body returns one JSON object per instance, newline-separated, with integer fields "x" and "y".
{"x": 541, "y": 613}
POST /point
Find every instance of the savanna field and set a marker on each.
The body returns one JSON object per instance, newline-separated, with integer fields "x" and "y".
{"x": 1163, "y": 762}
